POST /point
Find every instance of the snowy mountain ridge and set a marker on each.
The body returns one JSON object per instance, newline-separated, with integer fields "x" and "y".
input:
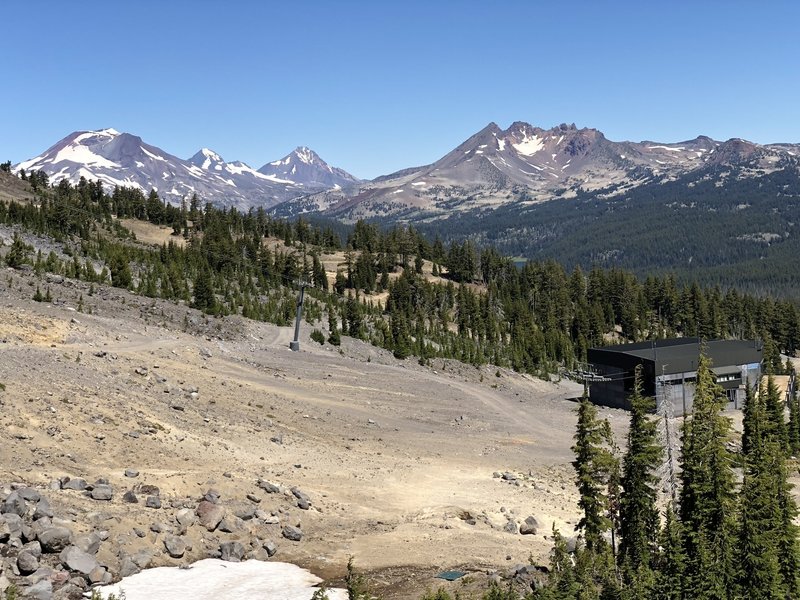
{"x": 123, "y": 159}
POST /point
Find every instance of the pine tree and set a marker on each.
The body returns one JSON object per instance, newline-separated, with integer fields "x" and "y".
{"x": 593, "y": 463}
{"x": 707, "y": 498}
{"x": 671, "y": 563}
{"x": 759, "y": 577}
{"x": 776, "y": 424}
{"x": 334, "y": 339}
{"x": 794, "y": 422}
{"x": 203, "y": 289}
{"x": 639, "y": 519}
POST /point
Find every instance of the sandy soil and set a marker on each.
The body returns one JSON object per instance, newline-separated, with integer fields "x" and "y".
{"x": 396, "y": 457}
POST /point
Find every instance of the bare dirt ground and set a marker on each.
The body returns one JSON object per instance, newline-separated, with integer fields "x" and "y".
{"x": 397, "y": 458}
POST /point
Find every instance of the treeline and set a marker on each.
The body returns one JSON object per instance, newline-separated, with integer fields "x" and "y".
{"x": 436, "y": 300}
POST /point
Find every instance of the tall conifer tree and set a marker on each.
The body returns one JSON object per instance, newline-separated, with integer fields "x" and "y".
{"x": 707, "y": 501}
{"x": 639, "y": 520}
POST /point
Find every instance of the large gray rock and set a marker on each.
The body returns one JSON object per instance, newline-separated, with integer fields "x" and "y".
{"x": 55, "y": 539}
{"x": 102, "y": 491}
{"x": 127, "y": 567}
{"x": 43, "y": 509}
{"x": 292, "y": 533}
{"x": 511, "y": 527}
{"x": 14, "y": 523}
{"x": 27, "y": 562}
{"x": 89, "y": 543}
{"x": 74, "y": 484}
{"x": 153, "y": 502}
{"x": 41, "y": 590}
{"x": 175, "y": 546}
{"x": 34, "y": 548}
{"x": 210, "y": 514}
{"x": 77, "y": 560}
{"x": 29, "y": 494}
{"x": 231, "y": 551}
{"x": 268, "y": 487}
{"x": 529, "y": 526}
{"x": 270, "y": 547}
{"x": 230, "y": 524}
{"x": 130, "y": 497}
{"x": 303, "y": 500}
{"x": 14, "y": 504}
{"x": 186, "y": 517}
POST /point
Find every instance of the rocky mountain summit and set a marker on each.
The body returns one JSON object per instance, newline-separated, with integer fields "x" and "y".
{"x": 527, "y": 164}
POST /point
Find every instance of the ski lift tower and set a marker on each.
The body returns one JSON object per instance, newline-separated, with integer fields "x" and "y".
{"x": 294, "y": 345}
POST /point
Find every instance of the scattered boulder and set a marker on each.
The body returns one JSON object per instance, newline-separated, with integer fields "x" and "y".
{"x": 511, "y": 527}
{"x": 175, "y": 546}
{"x": 153, "y": 502}
{"x": 130, "y": 497}
{"x": 229, "y": 524}
{"x": 529, "y": 526}
{"x": 74, "y": 484}
{"x": 268, "y": 487}
{"x": 186, "y": 517}
{"x": 27, "y": 562}
{"x": 270, "y": 547}
{"x": 77, "y": 560}
{"x": 43, "y": 509}
{"x": 102, "y": 491}
{"x": 41, "y": 590}
{"x": 303, "y": 501}
{"x": 148, "y": 489}
{"x": 292, "y": 533}
{"x": 127, "y": 567}
{"x": 29, "y": 494}
{"x": 231, "y": 551}
{"x": 55, "y": 539}
{"x": 14, "y": 504}
{"x": 212, "y": 496}
{"x": 89, "y": 543}
{"x": 131, "y": 473}
{"x": 210, "y": 514}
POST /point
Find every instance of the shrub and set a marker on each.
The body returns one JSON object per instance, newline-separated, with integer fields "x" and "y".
{"x": 318, "y": 337}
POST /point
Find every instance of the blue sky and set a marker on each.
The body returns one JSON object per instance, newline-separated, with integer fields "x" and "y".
{"x": 378, "y": 86}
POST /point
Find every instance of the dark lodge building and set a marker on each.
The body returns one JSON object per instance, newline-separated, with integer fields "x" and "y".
{"x": 669, "y": 371}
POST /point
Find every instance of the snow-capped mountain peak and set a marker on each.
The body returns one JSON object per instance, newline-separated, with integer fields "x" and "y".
{"x": 123, "y": 159}
{"x": 304, "y": 167}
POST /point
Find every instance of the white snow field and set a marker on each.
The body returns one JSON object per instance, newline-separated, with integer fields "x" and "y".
{"x": 213, "y": 579}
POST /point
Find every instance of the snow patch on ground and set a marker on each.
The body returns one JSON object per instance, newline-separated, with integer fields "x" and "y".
{"x": 211, "y": 579}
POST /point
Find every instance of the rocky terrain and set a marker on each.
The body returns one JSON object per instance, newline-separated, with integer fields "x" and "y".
{"x": 141, "y": 433}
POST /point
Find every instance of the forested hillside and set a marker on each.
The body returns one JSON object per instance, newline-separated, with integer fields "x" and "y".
{"x": 718, "y": 227}
{"x": 479, "y": 307}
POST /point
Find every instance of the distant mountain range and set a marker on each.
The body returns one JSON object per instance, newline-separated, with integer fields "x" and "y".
{"x": 528, "y": 164}
{"x": 520, "y": 166}
{"x": 124, "y": 159}
{"x": 726, "y": 212}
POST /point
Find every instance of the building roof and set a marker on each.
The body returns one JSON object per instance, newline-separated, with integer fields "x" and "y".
{"x": 680, "y": 355}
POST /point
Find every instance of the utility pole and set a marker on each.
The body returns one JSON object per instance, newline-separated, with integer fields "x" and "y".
{"x": 294, "y": 345}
